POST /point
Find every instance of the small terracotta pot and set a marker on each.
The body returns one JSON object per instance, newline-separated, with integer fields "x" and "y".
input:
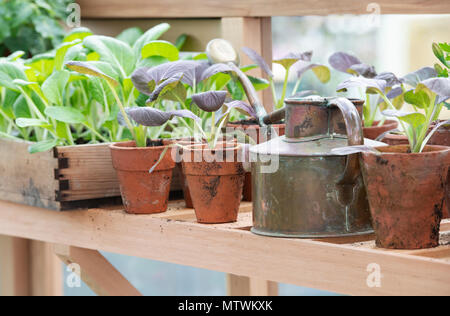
{"x": 406, "y": 195}
{"x": 374, "y": 131}
{"x": 216, "y": 180}
{"x": 143, "y": 192}
{"x": 253, "y": 130}
{"x": 442, "y": 138}
{"x": 395, "y": 139}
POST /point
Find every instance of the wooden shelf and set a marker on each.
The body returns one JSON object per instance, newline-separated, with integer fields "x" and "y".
{"x": 337, "y": 265}
{"x": 250, "y": 8}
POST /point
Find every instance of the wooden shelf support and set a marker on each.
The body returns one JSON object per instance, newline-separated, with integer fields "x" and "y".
{"x": 96, "y": 271}
{"x": 245, "y": 286}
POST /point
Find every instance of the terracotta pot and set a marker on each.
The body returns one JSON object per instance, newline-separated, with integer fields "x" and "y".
{"x": 215, "y": 182}
{"x": 395, "y": 139}
{"x": 374, "y": 131}
{"x": 406, "y": 195}
{"x": 143, "y": 192}
{"x": 442, "y": 138}
{"x": 253, "y": 130}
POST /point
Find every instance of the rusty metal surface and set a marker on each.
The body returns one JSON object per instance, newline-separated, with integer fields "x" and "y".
{"x": 313, "y": 193}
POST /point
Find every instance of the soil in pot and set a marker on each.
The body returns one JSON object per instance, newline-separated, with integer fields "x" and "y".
{"x": 406, "y": 194}
{"x": 216, "y": 179}
{"x": 253, "y": 130}
{"x": 143, "y": 192}
{"x": 374, "y": 131}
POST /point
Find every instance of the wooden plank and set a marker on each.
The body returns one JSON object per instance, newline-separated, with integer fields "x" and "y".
{"x": 237, "y": 285}
{"x": 255, "y": 33}
{"x": 14, "y": 267}
{"x": 199, "y": 31}
{"x": 336, "y": 268}
{"x": 96, "y": 271}
{"x": 46, "y": 274}
{"x": 27, "y": 178}
{"x": 260, "y": 287}
{"x": 251, "y": 8}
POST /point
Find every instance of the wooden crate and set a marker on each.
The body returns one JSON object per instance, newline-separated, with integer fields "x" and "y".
{"x": 62, "y": 179}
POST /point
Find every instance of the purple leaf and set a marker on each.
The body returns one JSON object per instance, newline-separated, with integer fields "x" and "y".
{"x": 242, "y": 106}
{"x": 371, "y": 85}
{"x": 146, "y": 79}
{"x": 394, "y": 93}
{"x": 148, "y": 116}
{"x": 215, "y": 69}
{"x": 343, "y": 62}
{"x": 367, "y": 71}
{"x": 210, "y": 101}
{"x": 166, "y": 85}
{"x": 292, "y": 58}
{"x": 440, "y": 86}
{"x": 414, "y": 78}
{"x": 390, "y": 78}
{"x": 258, "y": 60}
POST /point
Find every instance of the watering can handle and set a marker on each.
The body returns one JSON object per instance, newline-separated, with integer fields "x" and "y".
{"x": 355, "y": 136}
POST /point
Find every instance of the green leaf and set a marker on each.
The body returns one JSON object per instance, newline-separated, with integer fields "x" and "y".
{"x": 415, "y": 120}
{"x": 53, "y": 88}
{"x": 151, "y": 35}
{"x": 439, "y": 53}
{"x": 61, "y": 53}
{"x": 77, "y": 34}
{"x": 152, "y": 62}
{"x": 322, "y": 73}
{"x": 65, "y": 114}
{"x": 419, "y": 99}
{"x": 31, "y": 122}
{"x": 8, "y": 73}
{"x": 92, "y": 69}
{"x": 43, "y": 146}
{"x": 258, "y": 83}
{"x": 43, "y": 65}
{"x": 160, "y": 48}
{"x": 20, "y": 108}
{"x": 113, "y": 51}
{"x": 181, "y": 40}
{"x": 131, "y": 35}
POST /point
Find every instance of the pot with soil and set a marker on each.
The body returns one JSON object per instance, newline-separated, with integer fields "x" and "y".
{"x": 215, "y": 179}
{"x": 252, "y": 129}
{"x": 406, "y": 194}
{"x": 375, "y": 130}
{"x": 143, "y": 192}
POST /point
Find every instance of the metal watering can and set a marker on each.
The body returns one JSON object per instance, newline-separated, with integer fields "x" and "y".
{"x": 300, "y": 188}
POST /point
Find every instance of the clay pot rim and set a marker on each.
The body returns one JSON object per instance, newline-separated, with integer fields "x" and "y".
{"x": 433, "y": 150}
{"x": 124, "y": 145}
{"x": 387, "y": 123}
{"x": 232, "y": 147}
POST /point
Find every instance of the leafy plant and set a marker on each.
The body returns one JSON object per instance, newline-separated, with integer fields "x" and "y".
{"x": 428, "y": 97}
{"x": 442, "y": 52}
{"x": 45, "y": 102}
{"x": 366, "y": 78}
{"x": 302, "y": 60}
{"x": 31, "y": 26}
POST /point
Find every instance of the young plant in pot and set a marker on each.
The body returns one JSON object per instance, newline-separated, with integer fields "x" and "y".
{"x": 407, "y": 184}
{"x": 143, "y": 192}
{"x": 214, "y": 171}
{"x": 393, "y": 88}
